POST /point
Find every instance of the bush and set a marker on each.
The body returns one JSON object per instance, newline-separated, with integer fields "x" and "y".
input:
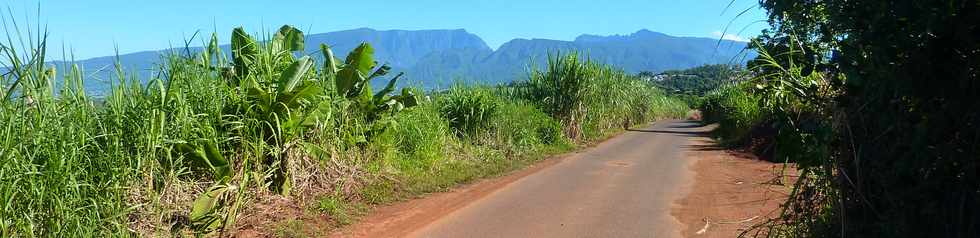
{"x": 591, "y": 100}
{"x": 421, "y": 134}
{"x": 735, "y": 109}
{"x": 521, "y": 124}
{"x": 470, "y": 111}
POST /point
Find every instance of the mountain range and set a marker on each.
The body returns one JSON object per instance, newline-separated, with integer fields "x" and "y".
{"x": 438, "y": 58}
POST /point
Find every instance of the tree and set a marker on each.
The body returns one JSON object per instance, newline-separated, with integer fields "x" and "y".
{"x": 906, "y": 136}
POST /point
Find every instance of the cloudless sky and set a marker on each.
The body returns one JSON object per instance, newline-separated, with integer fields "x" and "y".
{"x": 93, "y": 28}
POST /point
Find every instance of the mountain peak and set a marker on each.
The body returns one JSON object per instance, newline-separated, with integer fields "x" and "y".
{"x": 648, "y": 33}
{"x": 638, "y": 35}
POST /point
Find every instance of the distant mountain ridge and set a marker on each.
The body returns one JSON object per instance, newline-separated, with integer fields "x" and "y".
{"x": 641, "y": 51}
{"x": 437, "y": 58}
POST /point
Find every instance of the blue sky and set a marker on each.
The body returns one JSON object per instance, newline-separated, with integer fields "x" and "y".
{"x": 96, "y": 27}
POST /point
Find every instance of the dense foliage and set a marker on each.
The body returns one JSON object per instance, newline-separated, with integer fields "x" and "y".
{"x": 470, "y": 111}
{"x": 696, "y": 81}
{"x": 588, "y": 97}
{"x": 735, "y": 109}
{"x": 876, "y": 100}
{"x": 190, "y": 151}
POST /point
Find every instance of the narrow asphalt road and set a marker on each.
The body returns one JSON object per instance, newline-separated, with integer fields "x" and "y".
{"x": 623, "y": 187}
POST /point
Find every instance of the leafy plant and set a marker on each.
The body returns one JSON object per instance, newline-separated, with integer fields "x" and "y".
{"x": 284, "y": 101}
{"x": 563, "y": 89}
{"x": 576, "y": 91}
{"x": 352, "y": 81}
{"x": 878, "y": 102}
{"x": 469, "y": 110}
{"x": 206, "y": 155}
{"x": 735, "y": 109}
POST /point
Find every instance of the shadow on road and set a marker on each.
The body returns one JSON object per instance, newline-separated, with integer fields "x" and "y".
{"x": 711, "y": 147}
{"x": 685, "y": 128}
{"x": 688, "y": 124}
{"x": 685, "y": 133}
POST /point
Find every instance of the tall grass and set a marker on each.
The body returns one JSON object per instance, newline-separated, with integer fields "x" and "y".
{"x": 735, "y": 109}
{"x": 590, "y": 98}
{"x": 189, "y": 151}
{"x": 65, "y": 164}
{"x": 469, "y": 110}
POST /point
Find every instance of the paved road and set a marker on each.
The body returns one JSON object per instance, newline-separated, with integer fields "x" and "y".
{"x": 623, "y": 187}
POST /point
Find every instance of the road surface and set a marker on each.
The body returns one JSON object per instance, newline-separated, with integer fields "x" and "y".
{"x": 624, "y": 187}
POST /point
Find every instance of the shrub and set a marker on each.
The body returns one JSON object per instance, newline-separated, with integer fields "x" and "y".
{"x": 470, "y": 111}
{"x": 422, "y": 134}
{"x": 590, "y": 99}
{"x": 521, "y": 124}
{"x": 736, "y": 111}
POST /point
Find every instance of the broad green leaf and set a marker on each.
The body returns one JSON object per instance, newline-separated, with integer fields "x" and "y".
{"x": 351, "y": 79}
{"x": 305, "y": 92}
{"x": 206, "y": 203}
{"x": 191, "y": 152}
{"x": 243, "y": 51}
{"x": 408, "y": 98}
{"x": 365, "y": 96}
{"x": 381, "y": 71}
{"x": 203, "y": 208}
{"x": 259, "y": 97}
{"x": 390, "y": 87}
{"x": 329, "y": 62}
{"x": 207, "y": 156}
{"x": 290, "y": 38}
{"x": 361, "y": 58}
{"x": 320, "y": 114}
{"x": 295, "y": 74}
{"x": 349, "y": 82}
{"x": 220, "y": 166}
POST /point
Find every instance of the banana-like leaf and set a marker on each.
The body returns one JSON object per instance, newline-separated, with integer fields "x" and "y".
{"x": 365, "y": 97}
{"x": 320, "y": 114}
{"x": 408, "y": 98}
{"x": 207, "y": 155}
{"x": 290, "y": 38}
{"x": 350, "y": 82}
{"x": 190, "y": 151}
{"x": 390, "y": 87}
{"x": 295, "y": 74}
{"x": 203, "y": 210}
{"x": 243, "y": 51}
{"x": 329, "y": 63}
{"x": 361, "y": 58}
{"x": 351, "y": 79}
{"x": 218, "y": 163}
{"x": 259, "y": 97}
{"x": 381, "y": 71}
{"x": 304, "y": 93}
